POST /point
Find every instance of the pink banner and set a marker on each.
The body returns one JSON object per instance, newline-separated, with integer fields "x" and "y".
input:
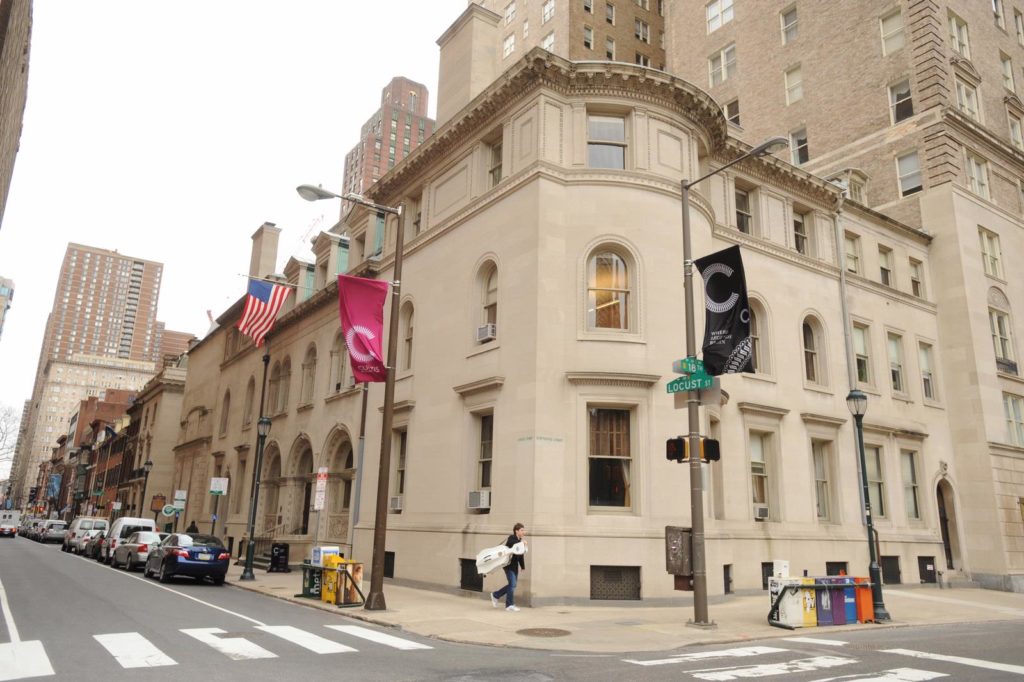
{"x": 361, "y": 303}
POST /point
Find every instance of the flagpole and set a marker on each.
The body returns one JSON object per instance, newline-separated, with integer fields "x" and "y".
{"x": 250, "y": 549}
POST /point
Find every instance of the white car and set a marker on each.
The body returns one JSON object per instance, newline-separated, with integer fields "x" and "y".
{"x": 133, "y": 552}
{"x": 81, "y": 531}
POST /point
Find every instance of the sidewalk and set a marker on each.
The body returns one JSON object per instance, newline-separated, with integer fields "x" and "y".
{"x": 593, "y": 628}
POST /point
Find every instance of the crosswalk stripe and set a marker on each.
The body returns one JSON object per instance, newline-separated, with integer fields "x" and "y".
{"x": 235, "y": 648}
{"x": 815, "y": 640}
{"x": 19, "y": 660}
{"x": 307, "y": 640}
{"x": 132, "y": 650}
{"x": 893, "y": 675}
{"x": 801, "y": 665}
{"x": 973, "y": 662}
{"x": 741, "y": 652}
{"x": 379, "y": 637}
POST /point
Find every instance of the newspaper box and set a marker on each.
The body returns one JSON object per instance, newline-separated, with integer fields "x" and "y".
{"x": 331, "y": 586}
{"x": 322, "y": 551}
{"x": 791, "y": 606}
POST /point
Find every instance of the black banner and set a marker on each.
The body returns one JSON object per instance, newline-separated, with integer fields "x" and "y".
{"x": 727, "y": 344}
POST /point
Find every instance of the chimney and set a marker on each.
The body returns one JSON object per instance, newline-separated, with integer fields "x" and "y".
{"x": 469, "y": 60}
{"x": 264, "y": 250}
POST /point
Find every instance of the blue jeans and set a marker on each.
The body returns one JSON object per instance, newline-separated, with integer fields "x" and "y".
{"x": 509, "y": 591}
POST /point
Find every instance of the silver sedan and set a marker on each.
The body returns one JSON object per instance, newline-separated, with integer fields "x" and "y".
{"x": 134, "y": 551}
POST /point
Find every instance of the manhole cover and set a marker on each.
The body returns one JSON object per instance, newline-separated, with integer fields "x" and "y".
{"x": 543, "y": 632}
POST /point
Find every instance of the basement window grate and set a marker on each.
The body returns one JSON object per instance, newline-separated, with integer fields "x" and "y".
{"x": 615, "y": 582}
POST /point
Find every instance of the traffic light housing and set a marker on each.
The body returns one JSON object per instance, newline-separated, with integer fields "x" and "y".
{"x": 677, "y": 449}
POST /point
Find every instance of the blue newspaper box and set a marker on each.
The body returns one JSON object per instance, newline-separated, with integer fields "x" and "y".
{"x": 824, "y": 602}
{"x": 849, "y": 599}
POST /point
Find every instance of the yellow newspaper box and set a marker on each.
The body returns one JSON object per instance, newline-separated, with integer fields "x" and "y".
{"x": 332, "y": 579}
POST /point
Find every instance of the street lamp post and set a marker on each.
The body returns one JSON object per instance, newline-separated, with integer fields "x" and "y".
{"x": 146, "y": 468}
{"x": 700, "y": 578}
{"x": 375, "y": 598}
{"x": 857, "y": 401}
{"x": 262, "y": 431}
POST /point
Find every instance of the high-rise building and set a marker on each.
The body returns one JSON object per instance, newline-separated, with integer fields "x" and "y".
{"x": 15, "y": 39}
{"x": 102, "y": 333}
{"x": 389, "y": 135}
{"x": 915, "y": 109}
{"x": 6, "y": 296}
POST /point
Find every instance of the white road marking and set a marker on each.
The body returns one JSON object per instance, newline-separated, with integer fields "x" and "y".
{"x": 235, "y": 648}
{"x": 132, "y": 650}
{"x": 741, "y": 652}
{"x": 958, "y": 602}
{"x": 307, "y": 640}
{"x": 19, "y": 660}
{"x": 815, "y": 640}
{"x": 8, "y": 616}
{"x": 973, "y": 662}
{"x": 379, "y": 637}
{"x": 801, "y": 665}
{"x": 891, "y": 675}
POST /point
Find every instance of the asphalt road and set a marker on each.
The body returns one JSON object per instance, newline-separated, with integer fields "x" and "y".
{"x": 69, "y": 618}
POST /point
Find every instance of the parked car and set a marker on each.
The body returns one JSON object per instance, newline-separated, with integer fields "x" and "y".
{"x": 36, "y": 529}
{"x": 133, "y": 552}
{"x": 80, "y": 531}
{"x": 198, "y": 556}
{"x": 27, "y": 526}
{"x": 8, "y": 529}
{"x": 120, "y": 529}
{"x": 52, "y": 531}
{"x": 10, "y": 519}
{"x": 92, "y": 546}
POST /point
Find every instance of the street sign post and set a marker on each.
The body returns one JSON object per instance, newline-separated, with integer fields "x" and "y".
{"x": 688, "y": 366}
{"x": 218, "y": 486}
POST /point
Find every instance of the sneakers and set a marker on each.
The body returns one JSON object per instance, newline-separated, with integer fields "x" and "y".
{"x": 512, "y": 608}
{"x": 494, "y": 601}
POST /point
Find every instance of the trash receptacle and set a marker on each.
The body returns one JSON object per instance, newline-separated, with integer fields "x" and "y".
{"x": 791, "y": 604}
{"x": 312, "y": 580}
{"x": 864, "y": 600}
{"x": 330, "y": 593}
{"x": 278, "y": 558}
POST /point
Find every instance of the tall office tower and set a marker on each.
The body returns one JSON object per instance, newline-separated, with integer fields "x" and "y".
{"x": 6, "y": 296}
{"x": 915, "y": 108}
{"x": 101, "y": 333}
{"x": 390, "y": 134}
{"x": 15, "y": 37}
{"x": 171, "y": 343}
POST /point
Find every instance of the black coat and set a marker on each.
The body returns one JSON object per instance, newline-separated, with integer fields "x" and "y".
{"x": 518, "y": 560}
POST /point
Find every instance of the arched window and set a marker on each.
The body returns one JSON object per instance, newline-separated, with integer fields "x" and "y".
{"x": 250, "y": 393}
{"x": 308, "y": 375}
{"x": 406, "y": 336}
{"x": 1000, "y": 325}
{"x": 490, "y": 295}
{"x": 759, "y": 337}
{"x": 813, "y": 348}
{"x": 339, "y": 364}
{"x": 225, "y": 407}
{"x": 286, "y": 380}
{"x": 274, "y": 394}
{"x": 608, "y": 291}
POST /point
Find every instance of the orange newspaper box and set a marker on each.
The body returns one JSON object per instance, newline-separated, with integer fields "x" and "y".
{"x": 865, "y": 601}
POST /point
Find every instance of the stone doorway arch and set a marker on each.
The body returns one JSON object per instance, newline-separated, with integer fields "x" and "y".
{"x": 301, "y": 477}
{"x": 270, "y": 489}
{"x": 948, "y": 526}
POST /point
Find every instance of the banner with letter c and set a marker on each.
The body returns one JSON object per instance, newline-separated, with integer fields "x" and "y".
{"x": 361, "y": 304}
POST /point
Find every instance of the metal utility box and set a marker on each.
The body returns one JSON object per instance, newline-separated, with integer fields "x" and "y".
{"x": 678, "y": 550}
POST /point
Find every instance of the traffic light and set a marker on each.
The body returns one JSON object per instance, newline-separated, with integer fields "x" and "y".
{"x": 32, "y": 493}
{"x": 677, "y": 449}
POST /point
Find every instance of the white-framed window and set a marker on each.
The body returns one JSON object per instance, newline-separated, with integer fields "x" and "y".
{"x": 862, "y": 353}
{"x": 794, "y": 85}
{"x": 852, "y": 249}
{"x": 911, "y": 495}
{"x": 876, "y": 480}
{"x": 643, "y": 4}
{"x": 489, "y": 294}
{"x": 895, "y": 346}
{"x": 744, "y": 217}
{"x": 609, "y": 285}
{"x": 588, "y": 6}
{"x": 811, "y": 336}
{"x": 1007, "y": 68}
{"x": 548, "y": 43}
{"x": 407, "y": 325}
{"x": 1002, "y": 339}
{"x": 225, "y": 408}
{"x": 609, "y": 13}
{"x": 958, "y": 36}
{"x": 820, "y": 457}
{"x": 308, "y": 376}
{"x": 340, "y": 376}
{"x": 998, "y": 14}
{"x": 760, "y": 454}
{"x": 606, "y": 141}
{"x": 642, "y": 31}
{"x": 967, "y": 99}
{"x": 732, "y": 111}
{"x": 800, "y": 149}
{"x": 909, "y": 170}
{"x": 609, "y": 48}
{"x": 722, "y": 65}
{"x": 486, "y": 455}
{"x": 1016, "y": 127}
{"x": 892, "y": 32}
{"x": 885, "y": 266}
{"x": 510, "y": 45}
{"x": 977, "y": 174}
{"x": 759, "y": 337}
{"x": 926, "y": 359}
{"x": 642, "y": 60}
{"x": 494, "y": 152}
{"x": 718, "y": 13}
{"x": 1018, "y": 24}
{"x": 901, "y": 103}
{"x": 800, "y": 235}
{"x": 991, "y": 253}
{"x": 609, "y": 457}
{"x": 916, "y": 277}
{"x": 790, "y": 25}
{"x": 1013, "y": 408}
{"x": 526, "y": 29}
{"x": 588, "y": 38}
{"x": 250, "y": 393}
{"x": 510, "y": 12}
{"x": 547, "y": 11}
{"x": 400, "y": 461}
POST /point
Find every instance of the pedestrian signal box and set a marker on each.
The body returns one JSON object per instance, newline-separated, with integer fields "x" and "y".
{"x": 677, "y": 449}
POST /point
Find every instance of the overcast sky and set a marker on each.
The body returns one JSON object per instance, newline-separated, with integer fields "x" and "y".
{"x": 172, "y": 130}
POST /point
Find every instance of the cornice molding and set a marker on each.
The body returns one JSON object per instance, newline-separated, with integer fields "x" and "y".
{"x": 823, "y": 419}
{"x": 757, "y": 408}
{"x": 1006, "y": 450}
{"x": 621, "y": 379}
{"x": 490, "y": 383}
{"x": 400, "y": 406}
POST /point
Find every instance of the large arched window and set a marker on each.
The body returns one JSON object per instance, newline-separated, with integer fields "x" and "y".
{"x": 813, "y": 344}
{"x": 406, "y": 325}
{"x": 490, "y": 294}
{"x": 339, "y": 364}
{"x": 608, "y": 291}
{"x": 286, "y": 380}
{"x": 759, "y": 337}
{"x": 1000, "y": 325}
{"x": 225, "y": 407}
{"x": 274, "y": 394}
{"x": 250, "y": 393}
{"x": 308, "y": 375}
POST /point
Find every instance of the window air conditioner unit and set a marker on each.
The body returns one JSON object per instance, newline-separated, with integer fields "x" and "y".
{"x": 479, "y": 499}
{"x": 486, "y": 332}
{"x": 760, "y": 512}
{"x": 396, "y": 503}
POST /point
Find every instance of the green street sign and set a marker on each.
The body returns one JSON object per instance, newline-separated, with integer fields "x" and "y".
{"x": 685, "y": 384}
{"x": 688, "y": 366}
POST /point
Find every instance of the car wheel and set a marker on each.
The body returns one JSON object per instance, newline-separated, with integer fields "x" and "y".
{"x": 146, "y": 573}
{"x": 218, "y": 580}
{"x": 164, "y": 575}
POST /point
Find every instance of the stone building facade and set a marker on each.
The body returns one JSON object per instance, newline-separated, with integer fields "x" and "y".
{"x": 15, "y": 43}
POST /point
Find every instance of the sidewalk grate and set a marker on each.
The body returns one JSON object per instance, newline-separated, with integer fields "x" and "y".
{"x": 543, "y": 632}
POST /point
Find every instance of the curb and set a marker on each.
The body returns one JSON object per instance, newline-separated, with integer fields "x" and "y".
{"x": 312, "y": 604}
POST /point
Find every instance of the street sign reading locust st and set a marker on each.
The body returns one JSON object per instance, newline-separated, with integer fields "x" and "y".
{"x": 695, "y": 383}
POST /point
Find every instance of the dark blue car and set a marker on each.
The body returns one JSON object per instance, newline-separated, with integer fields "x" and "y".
{"x": 194, "y": 555}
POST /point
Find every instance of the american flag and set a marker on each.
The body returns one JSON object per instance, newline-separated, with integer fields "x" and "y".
{"x": 261, "y": 307}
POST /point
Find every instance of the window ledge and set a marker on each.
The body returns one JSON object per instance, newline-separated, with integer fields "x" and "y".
{"x": 246, "y": 427}
{"x": 1010, "y": 377}
{"x": 933, "y": 403}
{"x": 620, "y": 337}
{"x": 304, "y": 407}
{"x": 761, "y": 376}
{"x": 818, "y": 388}
{"x": 481, "y": 348}
{"x": 902, "y": 397}
{"x": 343, "y": 393}
{"x": 611, "y": 511}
